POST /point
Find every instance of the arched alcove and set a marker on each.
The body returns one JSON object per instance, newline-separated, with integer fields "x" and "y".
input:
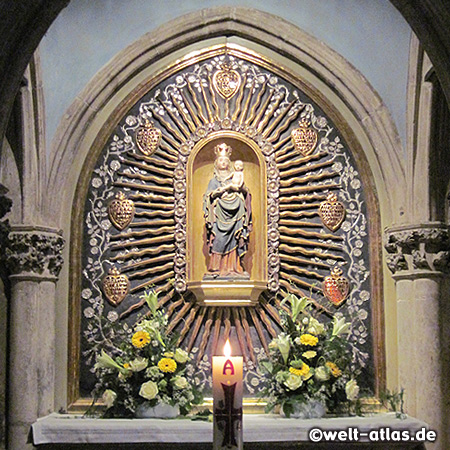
{"x": 89, "y": 132}
{"x": 200, "y": 168}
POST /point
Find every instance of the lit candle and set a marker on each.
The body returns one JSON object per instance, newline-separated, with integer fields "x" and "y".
{"x": 227, "y": 400}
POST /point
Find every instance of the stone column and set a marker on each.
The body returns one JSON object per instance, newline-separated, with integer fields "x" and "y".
{"x": 34, "y": 260}
{"x": 418, "y": 257}
{"x": 5, "y": 207}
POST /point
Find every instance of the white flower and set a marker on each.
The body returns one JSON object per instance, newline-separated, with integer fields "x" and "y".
{"x": 340, "y": 326}
{"x": 321, "y": 122}
{"x": 352, "y": 390}
{"x": 297, "y": 305}
{"x": 362, "y": 314}
{"x": 355, "y": 183}
{"x": 109, "y": 397}
{"x": 364, "y": 296}
{"x": 181, "y": 356}
{"x": 86, "y": 293}
{"x": 284, "y": 344}
{"x": 115, "y": 165}
{"x": 131, "y": 120}
{"x": 88, "y": 312}
{"x": 337, "y": 167}
{"x": 315, "y": 327}
{"x": 293, "y": 381}
{"x": 180, "y": 382}
{"x": 149, "y": 390}
{"x": 97, "y": 182}
{"x": 346, "y": 226}
{"x": 138, "y": 364}
{"x": 106, "y": 362}
{"x": 112, "y": 316}
{"x": 322, "y": 373}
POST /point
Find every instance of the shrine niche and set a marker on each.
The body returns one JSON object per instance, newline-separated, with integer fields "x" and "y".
{"x": 145, "y": 228}
{"x": 227, "y": 245}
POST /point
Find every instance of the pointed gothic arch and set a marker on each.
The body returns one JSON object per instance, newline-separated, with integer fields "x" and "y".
{"x": 325, "y": 76}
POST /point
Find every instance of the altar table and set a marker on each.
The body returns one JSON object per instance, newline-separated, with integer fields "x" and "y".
{"x": 261, "y": 432}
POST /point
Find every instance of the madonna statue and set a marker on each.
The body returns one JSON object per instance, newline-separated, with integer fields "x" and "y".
{"x": 228, "y": 217}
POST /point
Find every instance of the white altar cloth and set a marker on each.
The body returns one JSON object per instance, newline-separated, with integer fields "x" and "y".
{"x": 72, "y": 429}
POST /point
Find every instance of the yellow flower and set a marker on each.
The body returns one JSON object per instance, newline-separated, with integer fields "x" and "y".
{"x": 303, "y": 372}
{"x": 309, "y": 339}
{"x": 126, "y": 366}
{"x": 167, "y": 365}
{"x": 309, "y": 354}
{"x": 334, "y": 369}
{"x": 140, "y": 339}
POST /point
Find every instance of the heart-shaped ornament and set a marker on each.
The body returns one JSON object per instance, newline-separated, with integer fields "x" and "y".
{"x": 115, "y": 286}
{"x": 148, "y": 138}
{"x": 121, "y": 211}
{"x": 336, "y": 287}
{"x": 226, "y": 82}
{"x": 332, "y": 212}
{"x": 304, "y": 138}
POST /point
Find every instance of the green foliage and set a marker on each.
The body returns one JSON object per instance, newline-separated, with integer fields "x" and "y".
{"x": 393, "y": 400}
{"x": 310, "y": 360}
{"x": 144, "y": 367}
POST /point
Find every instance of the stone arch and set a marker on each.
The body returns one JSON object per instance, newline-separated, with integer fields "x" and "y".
{"x": 325, "y": 75}
{"x": 325, "y": 68}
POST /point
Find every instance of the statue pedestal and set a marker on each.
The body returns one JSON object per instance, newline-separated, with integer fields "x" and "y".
{"x": 227, "y": 292}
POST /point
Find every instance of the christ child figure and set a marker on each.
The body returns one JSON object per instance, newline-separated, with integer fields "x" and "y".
{"x": 236, "y": 180}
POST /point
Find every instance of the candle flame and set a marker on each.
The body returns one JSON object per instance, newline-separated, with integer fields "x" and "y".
{"x": 227, "y": 349}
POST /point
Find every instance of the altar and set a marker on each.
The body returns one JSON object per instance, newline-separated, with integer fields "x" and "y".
{"x": 238, "y": 217}
{"x": 261, "y": 431}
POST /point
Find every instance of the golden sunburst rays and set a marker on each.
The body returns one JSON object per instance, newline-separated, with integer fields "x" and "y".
{"x": 151, "y": 250}
{"x": 146, "y": 249}
{"x": 306, "y": 250}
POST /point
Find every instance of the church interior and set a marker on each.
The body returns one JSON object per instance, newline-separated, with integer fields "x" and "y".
{"x": 216, "y": 161}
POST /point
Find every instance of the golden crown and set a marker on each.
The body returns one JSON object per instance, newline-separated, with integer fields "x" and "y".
{"x": 223, "y": 150}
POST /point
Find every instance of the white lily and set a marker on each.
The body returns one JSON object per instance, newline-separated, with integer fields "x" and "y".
{"x": 340, "y": 326}
{"x": 284, "y": 345}
{"x": 105, "y": 361}
{"x": 152, "y": 300}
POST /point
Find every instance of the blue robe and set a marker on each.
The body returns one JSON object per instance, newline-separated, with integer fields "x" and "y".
{"x": 228, "y": 219}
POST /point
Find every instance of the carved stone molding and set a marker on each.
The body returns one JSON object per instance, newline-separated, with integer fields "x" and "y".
{"x": 418, "y": 248}
{"x": 34, "y": 252}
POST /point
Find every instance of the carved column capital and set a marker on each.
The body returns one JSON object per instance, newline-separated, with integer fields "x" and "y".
{"x": 418, "y": 250}
{"x": 34, "y": 253}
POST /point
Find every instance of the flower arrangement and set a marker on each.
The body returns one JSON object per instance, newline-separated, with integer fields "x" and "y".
{"x": 309, "y": 364}
{"x": 147, "y": 369}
